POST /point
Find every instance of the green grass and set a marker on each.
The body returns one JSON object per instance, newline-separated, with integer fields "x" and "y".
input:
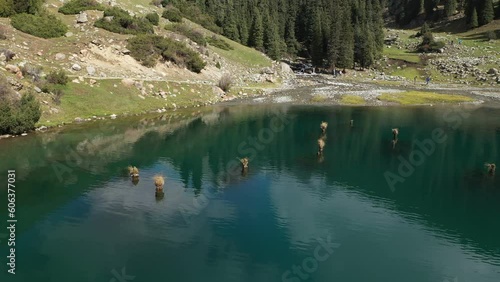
{"x": 352, "y": 100}
{"x": 81, "y": 100}
{"x": 243, "y": 55}
{"x": 419, "y": 97}
{"x": 318, "y": 98}
{"x": 401, "y": 54}
{"x": 408, "y": 72}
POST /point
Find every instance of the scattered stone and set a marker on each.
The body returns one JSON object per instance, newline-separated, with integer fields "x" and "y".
{"x": 142, "y": 97}
{"x": 12, "y": 68}
{"x": 76, "y": 67}
{"x": 127, "y": 82}
{"x": 125, "y": 51}
{"x": 90, "y": 70}
{"x": 92, "y": 81}
{"x": 41, "y": 128}
{"x": 267, "y": 70}
{"x": 60, "y": 56}
{"x": 82, "y": 18}
{"x": 69, "y": 34}
{"x": 113, "y": 116}
{"x": 24, "y": 134}
{"x": 75, "y": 81}
{"x": 37, "y": 89}
{"x": 493, "y": 71}
{"x": 78, "y": 119}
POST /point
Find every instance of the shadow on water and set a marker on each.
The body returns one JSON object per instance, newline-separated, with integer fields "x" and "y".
{"x": 449, "y": 192}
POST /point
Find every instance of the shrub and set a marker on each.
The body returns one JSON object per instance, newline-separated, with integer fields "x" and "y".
{"x": 121, "y": 22}
{"x": 74, "y": 7}
{"x": 156, "y": 3}
{"x": 219, "y": 43}
{"x": 40, "y": 25}
{"x": 5, "y": 89}
{"x": 32, "y": 71}
{"x": 429, "y": 45}
{"x": 153, "y": 18}
{"x": 9, "y": 55}
{"x": 58, "y": 77}
{"x": 423, "y": 30}
{"x": 19, "y": 116}
{"x": 6, "y": 8}
{"x": 192, "y": 34}
{"x": 225, "y": 82}
{"x": 172, "y": 15}
{"x": 491, "y": 35}
{"x": 147, "y": 49}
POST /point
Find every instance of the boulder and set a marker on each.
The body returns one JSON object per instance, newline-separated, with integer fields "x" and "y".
{"x": 60, "y": 56}
{"x": 82, "y": 18}
{"x": 12, "y": 68}
{"x": 90, "y": 70}
{"x": 76, "y": 67}
{"x": 267, "y": 70}
{"x": 127, "y": 82}
{"x": 493, "y": 71}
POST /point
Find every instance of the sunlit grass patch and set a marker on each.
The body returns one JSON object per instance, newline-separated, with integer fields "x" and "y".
{"x": 318, "y": 98}
{"x": 352, "y": 100}
{"x": 419, "y": 97}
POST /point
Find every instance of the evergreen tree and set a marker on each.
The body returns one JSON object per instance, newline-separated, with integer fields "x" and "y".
{"x": 497, "y": 11}
{"x": 487, "y": 13}
{"x": 230, "y": 29}
{"x": 316, "y": 47}
{"x": 272, "y": 42}
{"x": 257, "y": 32}
{"x": 449, "y": 7}
{"x": 473, "y": 20}
{"x": 243, "y": 32}
{"x": 292, "y": 45}
{"x": 6, "y": 8}
{"x": 28, "y": 6}
{"x": 346, "y": 46}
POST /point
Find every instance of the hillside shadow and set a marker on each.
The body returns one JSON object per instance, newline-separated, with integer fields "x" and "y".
{"x": 454, "y": 26}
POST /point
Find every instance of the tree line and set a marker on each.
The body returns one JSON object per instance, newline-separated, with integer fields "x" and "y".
{"x": 333, "y": 33}
{"x": 477, "y": 12}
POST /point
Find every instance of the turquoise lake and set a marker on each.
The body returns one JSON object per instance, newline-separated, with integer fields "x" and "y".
{"x": 352, "y": 214}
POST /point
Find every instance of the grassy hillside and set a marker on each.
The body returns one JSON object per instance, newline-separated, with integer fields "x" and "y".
{"x": 404, "y": 61}
{"x": 101, "y": 92}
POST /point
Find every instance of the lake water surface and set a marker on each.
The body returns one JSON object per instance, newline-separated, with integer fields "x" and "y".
{"x": 351, "y": 215}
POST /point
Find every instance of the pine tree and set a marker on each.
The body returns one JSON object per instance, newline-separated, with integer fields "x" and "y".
{"x": 257, "y": 32}
{"x": 291, "y": 42}
{"x": 449, "y": 7}
{"x": 272, "y": 42}
{"x": 473, "y": 20}
{"x": 6, "y": 8}
{"x": 346, "y": 46}
{"x": 497, "y": 12}
{"x": 28, "y": 6}
{"x": 230, "y": 29}
{"x": 487, "y": 13}
{"x": 316, "y": 47}
{"x": 243, "y": 31}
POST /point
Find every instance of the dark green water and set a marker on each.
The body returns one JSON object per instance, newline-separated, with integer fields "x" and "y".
{"x": 81, "y": 219}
